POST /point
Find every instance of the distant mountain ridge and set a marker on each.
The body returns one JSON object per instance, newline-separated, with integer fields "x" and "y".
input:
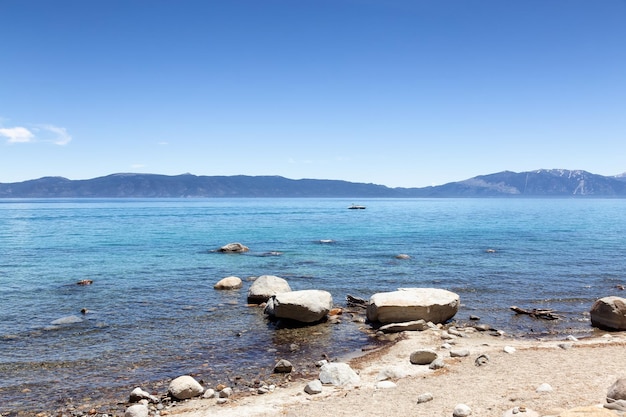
{"x": 539, "y": 183}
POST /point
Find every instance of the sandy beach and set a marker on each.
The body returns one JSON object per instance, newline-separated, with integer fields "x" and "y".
{"x": 578, "y": 372}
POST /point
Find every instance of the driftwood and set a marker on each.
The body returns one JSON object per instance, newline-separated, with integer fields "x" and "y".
{"x": 356, "y": 301}
{"x": 537, "y": 313}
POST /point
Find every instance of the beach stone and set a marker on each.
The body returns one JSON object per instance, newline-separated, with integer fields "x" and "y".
{"x": 185, "y": 387}
{"x": 544, "y": 388}
{"x": 385, "y": 385}
{"x": 313, "y": 387}
{"x": 283, "y": 366}
{"x": 229, "y": 283}
{"x": 409, "y": 304}
{"x": 437, "y": 364}
{"x": 415, "y": 325}
{"x": 137, "y": 410}
{"x": 482, "y": 360}
{"x": 226, "y": 392}
{"x": 67, "y": 320}
{"x": 521, "y": 412}
{"x": 424, "y": 398}
{"x": 392, "y": 372}
{"x": 509, "y": 349}
{"x": 209, "y": 393}
{"x": 265, "y": 287}
{"x": 234, "y": 248}
{"x": 306, "y": 306}
{"x": 617, "y": 391}
{"x": 609, "y": 313}
{"x": 459, "y": 353}
{"x": 338, "y": 374}
{"x": 423, "y": 356}
{"x": 461, "y": 410}
{"x": 138, "y": 394}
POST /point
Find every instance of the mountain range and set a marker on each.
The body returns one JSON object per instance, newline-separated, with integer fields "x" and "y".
{"x": 539, "y": 183}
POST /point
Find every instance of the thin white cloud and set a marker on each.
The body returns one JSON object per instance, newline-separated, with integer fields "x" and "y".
{"x": 57, "y": 135}
{"x": 17, "y": 135}
{"x": 40, "y": 133}
{"x": 137, "y": 166}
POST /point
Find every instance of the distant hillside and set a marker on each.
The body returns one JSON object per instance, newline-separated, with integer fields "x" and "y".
{"x": 540, "y": 183}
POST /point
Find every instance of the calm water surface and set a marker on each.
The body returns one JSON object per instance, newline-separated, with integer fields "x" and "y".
{"x": 154, "y": 315}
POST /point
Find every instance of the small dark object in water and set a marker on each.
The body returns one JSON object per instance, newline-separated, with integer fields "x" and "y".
{"x": 537, "y": 313}
{"x": 85, "y": 282}
{"x": 356, "y": 301}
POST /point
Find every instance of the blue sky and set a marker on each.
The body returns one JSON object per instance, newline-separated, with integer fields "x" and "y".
{"x": 400, "y": 93}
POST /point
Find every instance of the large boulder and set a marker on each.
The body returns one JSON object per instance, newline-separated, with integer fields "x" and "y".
{"x": 409, "y": 304}
{"x": 307, "y": 306}
{"x": 266, "y": 286}
{"x": 609, "y": 313}
{"x": 185, "y": 387}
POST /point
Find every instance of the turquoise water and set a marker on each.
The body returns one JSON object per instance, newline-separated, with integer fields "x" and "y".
{"x": 153, "y": 312}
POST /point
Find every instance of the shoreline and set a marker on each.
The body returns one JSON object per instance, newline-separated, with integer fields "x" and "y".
{"x": 579, "y": 372}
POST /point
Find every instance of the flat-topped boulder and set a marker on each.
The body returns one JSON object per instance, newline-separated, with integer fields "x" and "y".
{"x": 266, "y": 286}
{"x": 410, "y": 304}
{"x": 609, "y": 313}
{"x": 306, "y": 306}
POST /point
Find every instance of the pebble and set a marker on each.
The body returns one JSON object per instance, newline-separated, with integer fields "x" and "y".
{"x": 509, "y": 349}
{"x": 437, "y": 364}
{"x": 137, "y": 410}
{"x": 313, "y": 387}
{"x": 459, "y": 353}
{"x": 481, "y": 360}
{"x": 462, "y": 410}
{"x": 545, "y": 387}
{"x": 425, "y": 397}
{"x": 385, "y": 385}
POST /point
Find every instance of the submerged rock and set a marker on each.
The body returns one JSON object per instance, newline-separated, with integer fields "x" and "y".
{"x": 234, "y": 248}
{"x": 229, "y": 283}
{"x": 67, "y": 320}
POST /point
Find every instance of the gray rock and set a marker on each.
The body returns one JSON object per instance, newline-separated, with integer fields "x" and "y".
{"x": 609, "y": 313}
{"x": 424, "y": 398}
{"x": 229, "y": 283}
{"x": 415, "y": 325}
{"x": 409, "y": 304}
{"x": 226, "y": 392}
{"x": 617, "y": 391}
{"x": 338, "y": 374}
{"x": 209, "y": 393}
{"x": 185, "y": 387}
{"x": 283, "y": 366}
{"x": 385, "y": 385}
{"x": 545, "y": 387}
{"x": 392, "y": 372}
{"x": 423, "y": 356}
{"x": 138, "y": 394}
{"x": 459, "y": 353}
{"x": 234, "y": 248}
{"x": 313, "y": 387}
{"x": 137, "y": 410}
{"x": 307, "y": 306}
{"x": 437, "y": 364}
{"x": 265, "y": 287}
{"x": 461, "y": 410}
